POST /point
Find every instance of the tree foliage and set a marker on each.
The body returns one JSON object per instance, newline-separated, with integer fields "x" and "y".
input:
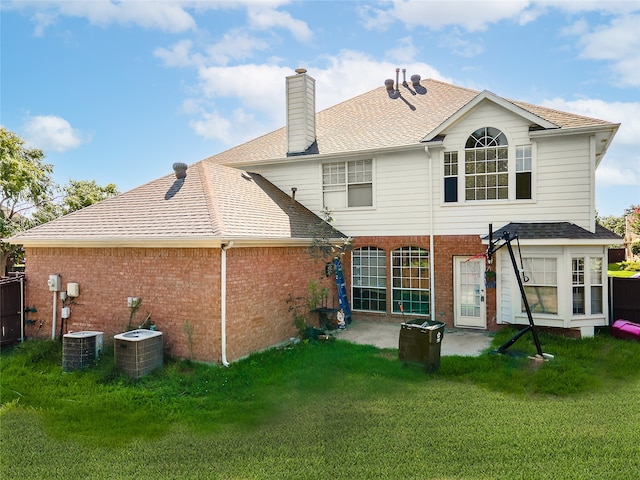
{"x": 25, "y": 184}
{"x": 82, "y": 193}
{"x": 30, "y": 197}
{"x": 613, "y": 223}
{"x": 634, "y": 218}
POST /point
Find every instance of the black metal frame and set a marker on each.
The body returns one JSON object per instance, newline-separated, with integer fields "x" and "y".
{"x": 491, "y": 250}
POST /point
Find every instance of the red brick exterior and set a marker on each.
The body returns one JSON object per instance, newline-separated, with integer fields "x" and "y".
{"x": 181, "y": 289}
{"x": 445, "y": 249}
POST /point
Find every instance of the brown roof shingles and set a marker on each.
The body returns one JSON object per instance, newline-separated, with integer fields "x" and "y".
{"x": 212, "y": 202}
{"x": 215, "y": 201}
{"x": 375, "y": 121}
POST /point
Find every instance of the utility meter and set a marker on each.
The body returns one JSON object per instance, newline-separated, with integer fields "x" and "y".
{"x": 55, "y": 283}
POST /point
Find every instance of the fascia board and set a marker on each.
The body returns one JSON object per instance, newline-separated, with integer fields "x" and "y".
{"x": 111, "y": 242}
{"x": 329, "y": 156}
{"x": 612, "y": 128}
{"x": 531, "y": 242}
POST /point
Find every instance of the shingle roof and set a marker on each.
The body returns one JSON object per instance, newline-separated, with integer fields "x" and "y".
{"x": 553, "y": 230}
{"x": 375, "y": 121}
{"x": 212, "y": 203}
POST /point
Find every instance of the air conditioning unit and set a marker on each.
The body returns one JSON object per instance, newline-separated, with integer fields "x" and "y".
{"x": 80, "y": 349}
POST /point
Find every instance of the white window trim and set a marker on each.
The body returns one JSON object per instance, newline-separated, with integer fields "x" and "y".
{"x": 511, "y": 172}
{"x": 347, "y": 208}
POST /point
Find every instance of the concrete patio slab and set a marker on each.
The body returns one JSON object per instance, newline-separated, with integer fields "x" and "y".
{"x": 386, "y": 335}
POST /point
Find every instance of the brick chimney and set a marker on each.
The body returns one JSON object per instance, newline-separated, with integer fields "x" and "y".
{"x": 301, "y": 113}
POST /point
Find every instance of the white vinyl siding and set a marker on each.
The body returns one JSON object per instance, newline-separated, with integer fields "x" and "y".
{"x": 407, "y": 186}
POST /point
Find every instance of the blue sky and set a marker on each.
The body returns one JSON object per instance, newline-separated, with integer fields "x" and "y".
{"x": 116, "y": 91}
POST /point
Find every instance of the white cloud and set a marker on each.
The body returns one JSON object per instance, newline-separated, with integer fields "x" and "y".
{"x": 164, "y": 16}
{"x": 179, "y": 55}
{"x": 49, "y": 132}
{"x": 469, "y": 15}
{"x": 235, "y": 130}
{"x": 262, "y": 17}
{"x": 618, "y": 43}
{"x": 235, "y": 45}
{"x": 405, "y": 51}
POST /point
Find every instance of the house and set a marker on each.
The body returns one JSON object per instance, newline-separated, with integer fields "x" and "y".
{"x": 213, "y": 253}
{"x": 416, "y": 173}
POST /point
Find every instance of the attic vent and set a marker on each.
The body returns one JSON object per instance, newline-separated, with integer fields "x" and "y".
{"x": 180, "y": 169}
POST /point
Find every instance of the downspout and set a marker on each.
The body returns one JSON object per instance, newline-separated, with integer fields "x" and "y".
{"x": 55, "y": 311}
{"x": 223, "y": 301}
{"x": 431, "y": 247}
{"x": 22, "y": 308}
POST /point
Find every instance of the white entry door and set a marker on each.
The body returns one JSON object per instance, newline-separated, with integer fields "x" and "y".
{"x": 469, "y": 293}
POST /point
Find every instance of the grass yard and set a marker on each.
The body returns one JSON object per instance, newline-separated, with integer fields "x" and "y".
{"x": 623, "y": 269}
{"x": 329, "y": 410}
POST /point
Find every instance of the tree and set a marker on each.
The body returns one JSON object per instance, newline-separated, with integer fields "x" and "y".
{"x": 634, "y": 218}
{"x": 82, "y": 193}
{"x": 613, "y": 223}
{"x": 25, "y": 184}
{"x": 29, "y": 197}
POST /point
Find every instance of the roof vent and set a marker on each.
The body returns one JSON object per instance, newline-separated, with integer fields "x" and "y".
{"x": 393, "y": 88}
{"x": 180, "y": 169}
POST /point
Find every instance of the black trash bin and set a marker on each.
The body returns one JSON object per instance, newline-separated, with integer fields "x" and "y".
{"x": 420, "y": 342}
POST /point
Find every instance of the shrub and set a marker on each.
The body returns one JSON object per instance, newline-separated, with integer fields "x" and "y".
{"x": 630, "y": 266}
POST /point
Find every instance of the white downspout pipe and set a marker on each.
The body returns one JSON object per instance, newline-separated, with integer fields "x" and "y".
{"x": 22, "y": 308}
{"x": 431, "y": 243}
{"x": 55, "y": 311}
{"x": 223, "y": 301}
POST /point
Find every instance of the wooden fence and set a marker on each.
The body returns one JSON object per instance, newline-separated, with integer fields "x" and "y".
{"x": 624, "y": 299}
{"x": 11, "y": 309}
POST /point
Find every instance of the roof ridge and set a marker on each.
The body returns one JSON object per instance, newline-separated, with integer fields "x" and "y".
{"x": 213, "y": 210}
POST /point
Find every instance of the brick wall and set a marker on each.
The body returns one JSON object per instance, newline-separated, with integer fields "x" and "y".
{"x": 181, "y": 290}
{"x": 446, "y": 248}
{"x": 259, "y": 283}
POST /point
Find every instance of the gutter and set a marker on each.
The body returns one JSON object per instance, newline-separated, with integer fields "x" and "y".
{"x": 223, "y": 300}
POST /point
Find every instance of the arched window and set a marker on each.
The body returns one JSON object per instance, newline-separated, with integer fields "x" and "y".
{"x": 369, "y": 279}
{"x": 411, "y": 280}
{"x": 486, "y": 165}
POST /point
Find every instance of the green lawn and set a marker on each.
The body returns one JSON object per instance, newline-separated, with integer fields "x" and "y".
{"x": 327, "y": 410}
{"x": 623, "y": 269}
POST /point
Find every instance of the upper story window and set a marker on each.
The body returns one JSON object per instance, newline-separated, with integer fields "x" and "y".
{"x": 523, "y": 172}
{"x": 486, "y": 165}
{"x": 347, "y": 184}
{"x": 450, "y": 176}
